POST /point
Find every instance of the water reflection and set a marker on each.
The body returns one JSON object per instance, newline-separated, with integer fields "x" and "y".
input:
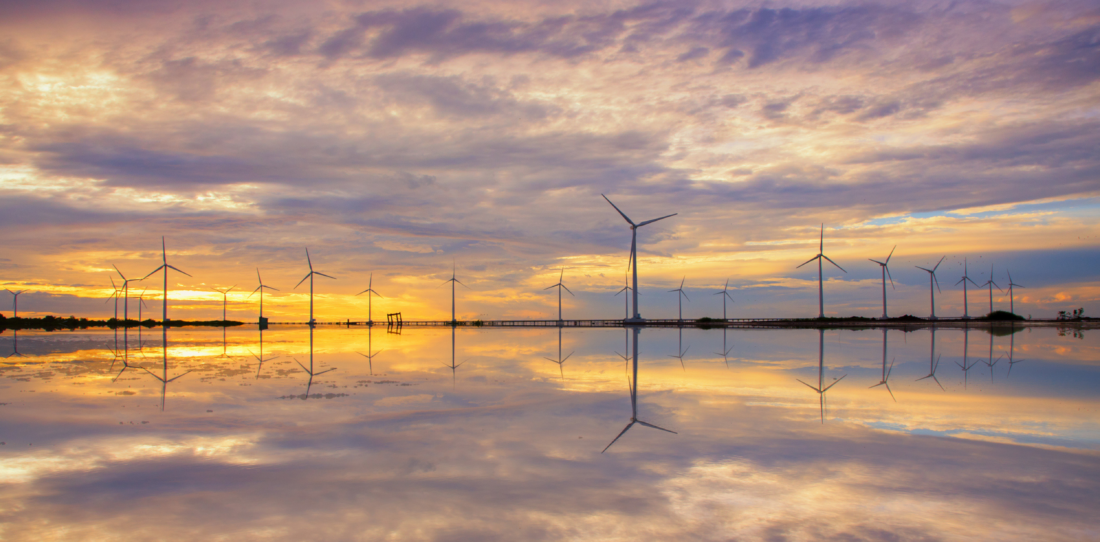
{"x": 885, "y": 372}
{"x": 369, "y": 355}
{"x": 681, "y": 351}
{"x": 821, "y": 388}
{"x": 163, "y": 377}
{"x": 933, "y": 361}
{"x": 310, "y": 370}
{"x": 560, "y": 361}
{"x": 632, "y": 384}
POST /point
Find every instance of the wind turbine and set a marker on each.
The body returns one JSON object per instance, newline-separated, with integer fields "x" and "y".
{"x": 560, "y": 361}
{"x": 886, "y": 372}
{"x": 370, "y": 292}
{"x": 885, "y": 273}
{"x": 559, "y": 286}
{"x": 933, "y": 362}
{"x": 141, "y": 302}
{"x": 820, "y": 283}
{"x": 963, "y": 280}
{"x": 312, "y": 322}
{"x": 821, "y": 388}
{"x": 626, "y": 288}
{"x": 453, "y": 281}
{"x": 724, "y": 293}
{"x": 634, "y": 249}
{"x": 165, "y": 267}
{"x": 679, "y": 299}
{"x": 15, "y": 301}
{"x": 260, "y": 288}
{"x": 634, "y": 399}
{"x": 126, "y": 295}
{"x": 368, "y": 355}
{"x": 225, "y": 298}
{"x": 114, "y": 295}
{"x": 681, "y": 351}
{"x": 1011, "y": 304}
{"x": 991, "y": 284}
{"x": 932, "y": 279}
{"x": 310, "y": 370}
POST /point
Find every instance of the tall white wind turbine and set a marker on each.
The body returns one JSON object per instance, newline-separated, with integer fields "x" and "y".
{"x": 634, "y": 249}
{"x": 963, "y": 280}
{"x": 370, "y": 292}
{"x": 312, "y": 322}
{"x": 991, "y": 284}
{"x": 260, "y": 289}
{"x": 885, "y": 273}
{"x": 932, "y": 280}
{"x": 820, "y": 283}
{"x": 125, "y": 294}
{"x": 1011, "y": 304}
{"x": 454, "y": 281}
{"x": 164, "y": 266}
{"x": 559, "y": 286}
{"x": 679, "y": 298}
{"x": 225, "y": 298}
{"x": 725, "y": 294}
{"x": 15, "y": 301}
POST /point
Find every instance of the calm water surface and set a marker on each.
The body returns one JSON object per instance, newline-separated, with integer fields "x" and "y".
{"x": 483, "y": 435}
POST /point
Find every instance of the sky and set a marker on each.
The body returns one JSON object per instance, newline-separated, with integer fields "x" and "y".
{"x": 402, "y": 139}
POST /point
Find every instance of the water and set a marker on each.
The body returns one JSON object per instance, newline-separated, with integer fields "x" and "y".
{"x": 492, "y": 440}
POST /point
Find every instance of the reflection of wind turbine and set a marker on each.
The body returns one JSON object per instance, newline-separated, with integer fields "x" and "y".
{"x": 679, "y": 298}
{"x": 821, "y": 374}
{"x": 965, "y": 367}
{"x": 1011, "y": 348}
{"x": 724, "y": 293}
{"x": 165, "y": 267}
{"x": 725, "y": 351}
{"x": 369, "y": 355}
{"x": 933, "y": 362}
{"x": 312, "y": 322}
{"x": 560, "y": 361}
{"x": 370, "y": 292}
{"x": 454, "y": 368}
{"x": 164, "y": 380}
{"x": 634, "y": 399}
{"x": 886, "y": 372}
{"x": 559, "y": 286}
{"x": 990, "y": 362}
{"x": 15, "y": 301}
{"x": 260, "y": 358}
{"x": 634, "y": 249}
{"x": 820, "y": 284}
{"x": 125, "y": 294}
{"x": 991, "y": 284}
{"x": 963, "y": 281}
{"x": 681, "y": 351}
{"x": 310, "y": 370}
{"x": 14, "y": 345}
{"x": 260, "y": 288}
{"x": 225, "y": 298}
{"x": 453, "y": 281}
{"x": 1011, "y": 301}
{"x": 932, "y": 280}
{"x": 885, "y": 273}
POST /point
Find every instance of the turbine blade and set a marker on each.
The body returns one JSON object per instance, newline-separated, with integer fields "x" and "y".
{"x": 809, "y": 386}
{"x": 891, "y": 255}
{"x": 568, "y": 290}
{"x": 124, "y": 276}
{"x": 628, "y": 426}
{"x": 549, "y": 287}
{"x": 890, "y": 276}
{"x": 938, "y": 263}
{"x": 810, "y": 260}
{"x": 937, "y": 281}
{"x": 180, "y": 270}
{"x": 324, "y": 275}
{"x": 834, "y": 263}
{"x": 628, "y": 221}
{"x": 655, "y": 427}
{"x": 835, "y": 382}
{"x": 303, "y": 280}
{"x": 153, "y": 272}
{"x": 308, "y": 261}
{"x": 656, "y": 219}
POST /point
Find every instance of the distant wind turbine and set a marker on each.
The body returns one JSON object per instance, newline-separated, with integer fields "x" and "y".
{"x": 15, "y": 302}
{"x": 453, "y": 281}
{"x": 141, "y": 302}
{"x": 634, "y": 249}
{"x": 991, "y": 284}
{"x": 885, "y": 273}
{"x": 559, "y": 286}
{"x": 164, "y": 266}
{"x": 725, "y": 294}
{"x": 932, "y": 280}
{"x": 963, "y": 281}
{"x": 679, "y": 298}
{"x": 370, "y": 292}
{"x": 886, "y": 372}
{"x": 312, "y": 322}
{"x": 225, "y": 298}
{"x": 1011, "y": 300}
{"x": 260, "y": 288}
{"x": 821, "y": 388}
{"x": 634, "y": 399}
{"x": 125, "y": 294}
{"x": 114, "y": 295}
{"x": 820, "y": 283}
{"x": 626, "y": 300}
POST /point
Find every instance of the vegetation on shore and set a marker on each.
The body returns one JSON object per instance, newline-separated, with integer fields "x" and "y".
{"x": 52, "y": 323}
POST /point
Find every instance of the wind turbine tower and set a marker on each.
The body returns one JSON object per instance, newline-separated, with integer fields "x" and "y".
{"x": 312, "y": 322}
{"x": 991, "y": 284}
{"x": 260, "y": 288}
{"x": 820, "y": 287}
{"x": 963, "y": 280}
{"x": 679, "y": 298}
{"x": 932, "y": 280}
{"x": 225, "y": 298}
{"x": 453, "y": 281}
{"x": 885, "y": 273}
{"x": 1011, "y": 304}
{"x": 559, "y": 286}
{"x": 15, "y": 302}
{"x": 370, "y": 292}
{"x": 165, "y": 267}
{"x": 725, "y": 294}
{"x": 634, "y": 250}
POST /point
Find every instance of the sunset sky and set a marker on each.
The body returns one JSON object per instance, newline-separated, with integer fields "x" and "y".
{"x": 397, "y": 138}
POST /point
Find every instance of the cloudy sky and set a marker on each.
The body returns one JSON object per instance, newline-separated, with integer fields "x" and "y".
{"x": 397, "y": 139}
